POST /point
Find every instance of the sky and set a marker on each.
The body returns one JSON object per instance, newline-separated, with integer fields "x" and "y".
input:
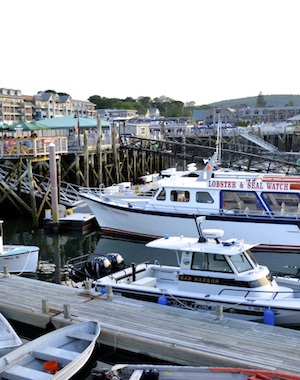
{"x": 189, "y": 50}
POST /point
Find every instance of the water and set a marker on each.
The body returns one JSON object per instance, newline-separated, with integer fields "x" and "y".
{"x": 55, "y": 250}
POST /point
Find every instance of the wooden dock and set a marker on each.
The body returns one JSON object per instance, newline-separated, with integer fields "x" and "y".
{"x": 180, "y": 336}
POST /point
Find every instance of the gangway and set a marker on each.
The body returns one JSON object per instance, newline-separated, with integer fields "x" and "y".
{"x": 69, "y": 193}
{"x": 258, "y": 141}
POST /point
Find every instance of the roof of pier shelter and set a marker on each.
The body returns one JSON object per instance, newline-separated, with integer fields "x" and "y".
{"x": 71, "y": 121}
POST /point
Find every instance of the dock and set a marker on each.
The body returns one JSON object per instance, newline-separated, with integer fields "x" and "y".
{"x": 183, "y": 337}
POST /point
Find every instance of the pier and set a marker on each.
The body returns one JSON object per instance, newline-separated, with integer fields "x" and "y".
{"x": 180, "y": 336}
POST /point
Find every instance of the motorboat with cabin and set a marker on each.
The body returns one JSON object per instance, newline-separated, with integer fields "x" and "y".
{"x": 260, "y": 208}
{"x": 210, "y": 273}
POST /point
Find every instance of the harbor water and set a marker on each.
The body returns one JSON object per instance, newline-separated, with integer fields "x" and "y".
{"x": 57, "y": 249}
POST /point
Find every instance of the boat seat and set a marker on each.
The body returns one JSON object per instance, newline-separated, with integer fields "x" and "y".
{"x": 62, "y": 356}
{"x": 145, "y": 281}
{"x": 137, "y": 374}
{"x": 81, "y": 336}
{"x": 18, "y": 372}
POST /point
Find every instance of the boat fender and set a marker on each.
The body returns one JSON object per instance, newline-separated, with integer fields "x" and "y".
{"x": 269, "y": 317}
{"x": 166, "y": 237}
{"x": 162, "y": 300}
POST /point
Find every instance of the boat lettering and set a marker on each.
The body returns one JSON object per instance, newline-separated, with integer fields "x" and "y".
{"x": 277, "y": 186}
{"x": 251, "y": 185}
{"x": 224, "y": 184}
{"x": 207, "y": 280}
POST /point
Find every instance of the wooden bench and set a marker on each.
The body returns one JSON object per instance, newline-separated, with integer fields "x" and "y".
{"x": 18, "y": 372}
{"x": 60, "y": 355}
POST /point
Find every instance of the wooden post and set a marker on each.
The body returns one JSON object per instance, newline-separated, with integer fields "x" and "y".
{"x": 45, "y": 306}
{"x": 77, "y": 169}
{"x": 35, "y": 218}
{"x": 67, "y": 312}
{"x": 53, "y": 178}
{"x": 99, "y": 138}
{"x": 5, "y": 270}
{"x": 86, "y": 158}
{"x": 114, "y": 146}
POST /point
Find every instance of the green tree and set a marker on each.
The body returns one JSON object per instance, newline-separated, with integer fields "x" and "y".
{"x": 260, "y": 100}
{"x": 290, "y": 104}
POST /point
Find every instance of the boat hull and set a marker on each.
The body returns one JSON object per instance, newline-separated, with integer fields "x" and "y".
{"x": 271, "y": 234}
{"x": 19, "y": 259}
{"x": 29, "y": 357}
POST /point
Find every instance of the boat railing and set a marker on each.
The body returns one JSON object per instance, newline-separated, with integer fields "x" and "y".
{"x": 272, "y": 294}
{"x": 116, "y": 190}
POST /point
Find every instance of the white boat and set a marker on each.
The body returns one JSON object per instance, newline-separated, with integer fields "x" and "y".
{"x": 261, "y": 208}
{"x": 9, "y": 339}
{"x": 211, "y": 273}
{"x": 18, "y": 258}
{"x": 162, "y": 372}
{"x": 67, "y": 350}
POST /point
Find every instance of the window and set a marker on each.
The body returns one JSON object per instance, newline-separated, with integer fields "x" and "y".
{"x": 203, "y": 197}
{"x": 241, "y": 262}
{"x": 180, "y": 196}
{"x": 242, "y": 202}
{"x": 284, "y": 204}
{"x": 210, "y": 262}
{"x": 162, "y": 195}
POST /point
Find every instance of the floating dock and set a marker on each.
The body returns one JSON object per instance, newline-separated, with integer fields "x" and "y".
{"x": 180, "y": 336}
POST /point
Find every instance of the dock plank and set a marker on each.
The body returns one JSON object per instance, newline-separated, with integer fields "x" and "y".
{"x": 180, "y": 336}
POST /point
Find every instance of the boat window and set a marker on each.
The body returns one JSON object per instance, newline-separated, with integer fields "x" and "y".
{"x": 210, "y": 262}
{"x": 180, "y": 196}
{"x": 285, "y": 204}
{"x": 241, "y": 262}
{"x": 252, "y": 258}
{"x": 203, "y": 197}
{"x": 242, "y": 202}
{"x": 162, "y": 195}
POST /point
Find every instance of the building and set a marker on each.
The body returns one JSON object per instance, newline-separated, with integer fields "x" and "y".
{"x": 111, "y": 114}
{"x": 215, "y": 115}
{"x": 14, "y": 106}
{"x": 48, "y": 105}
{"x": 267, "y": 114}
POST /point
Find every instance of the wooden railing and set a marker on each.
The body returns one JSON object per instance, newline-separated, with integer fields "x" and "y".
{"x": 12, "y": 147}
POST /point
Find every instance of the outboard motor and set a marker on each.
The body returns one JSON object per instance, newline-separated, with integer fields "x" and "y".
{"x": 116, "y": 260}
{"x": 97, "y": 267}
{"x": 77, "y": 275}
{"x": 101, "y": 373}
{"x": 150, "y": 374}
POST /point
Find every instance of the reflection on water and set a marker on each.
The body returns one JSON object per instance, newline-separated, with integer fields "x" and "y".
{"x": 56, "y": 249}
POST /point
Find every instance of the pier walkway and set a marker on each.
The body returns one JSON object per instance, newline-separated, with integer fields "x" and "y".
{"x": 180, "y": 336}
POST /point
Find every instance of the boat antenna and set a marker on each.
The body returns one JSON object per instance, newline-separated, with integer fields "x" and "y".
{"x": 198, "y": 221}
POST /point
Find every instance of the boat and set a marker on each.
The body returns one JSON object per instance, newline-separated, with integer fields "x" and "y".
{"x": 211, "y": 273}
{"x": 262, "y": 208}
{"x": 59, "y": 354}
{"x": 18, "y": 258}
{"x": 162, "y": 372}
{"x": 9, "y": 339}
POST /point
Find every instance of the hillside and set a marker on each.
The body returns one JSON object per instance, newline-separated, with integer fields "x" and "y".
{"x": 272, "y": 101}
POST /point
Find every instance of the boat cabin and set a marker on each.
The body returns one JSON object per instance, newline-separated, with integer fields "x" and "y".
{"x": 231, "y": 194}
{"x": 203, "y": 265}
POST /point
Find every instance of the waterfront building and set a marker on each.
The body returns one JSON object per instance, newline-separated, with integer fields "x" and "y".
{"x": 14, "y": 106}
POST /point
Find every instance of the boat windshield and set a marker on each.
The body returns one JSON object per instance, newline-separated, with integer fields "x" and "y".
{"x": 241, "y": 263}
{"x": 210, "y": 262}
{"x": 249, "y": 253}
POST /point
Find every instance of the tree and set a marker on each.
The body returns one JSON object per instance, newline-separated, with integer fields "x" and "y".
{"x": 260, "y": 100}
{"x": 290, "y": 104}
